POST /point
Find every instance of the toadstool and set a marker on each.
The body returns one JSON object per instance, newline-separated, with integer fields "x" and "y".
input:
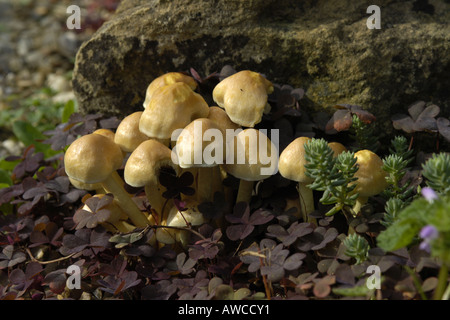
{"x": 244, "y": 96}
{"x": 166, "y": 79}
{"x": 251, "y": 156}
{"x": 143, "y": 169}
{"x": 94, "y": 158}
{"x": 371, "y": 177}
{"x": 172, "y": 107}
{"x": 292, "y": 166}
{"x": 201, "y": 145}
{"x": 128, "y": 136}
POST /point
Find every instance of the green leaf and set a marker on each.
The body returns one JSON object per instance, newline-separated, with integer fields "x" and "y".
{"x": 69, "y": 108}
{"x": 26, "y": 133}
{"x": 29, "y": 135}
{"x": 8, "y": 165}
{"x": 5, "y": 178}
{"x": 4, "y": 185}
{"x": 399, "y": 235}
{"x": 358, "y": 291}
{"x": 439, "y": 214}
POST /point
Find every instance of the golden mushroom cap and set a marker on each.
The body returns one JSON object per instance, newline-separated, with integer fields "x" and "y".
{"x": 172, "y": 107}
{"x": 371, "y": 177}
{"x": 247, "y": 161}
{"x": 105, "y": 132}
{"x": 337, "y": 148}
{"x": 166, "y": 79}
{"x": 192, "y": 145}
{"x": 292, "y": 161}
{"x": 243, "y": 95}
{"x": 128, "y": 136}
{"x": 92, "y": 158}
{"x": 85, "y": 186}
{"x": 145, "y": 162}
{"x": 221, "y": 118}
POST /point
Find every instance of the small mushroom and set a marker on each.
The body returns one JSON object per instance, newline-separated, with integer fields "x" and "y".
{"x": 371, "y": 177}
{"x": 254, "y": 158}
{"x": 128, "y": 136}
{"x": 221, "y": 118}
{"x": 201, "y": 145}
{"x": 172, "y": 107}
{"x": 143, "y": 169}
{"x": 94, "y": 158}
{"x": 244, "y": 96}
{"x": 191, "y": 217}
{"x": 116, "y": 220}
{"x": 166, "y": 79}
{"x": 292, "y": 166}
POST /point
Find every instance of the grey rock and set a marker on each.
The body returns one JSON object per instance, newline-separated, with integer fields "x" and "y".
{"x": 322, "y": 46}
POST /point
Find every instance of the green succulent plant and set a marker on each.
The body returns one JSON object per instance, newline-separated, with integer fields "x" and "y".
{"x": 332, "y": 175}
{"x": 392, "y": 208}
{"x": 426, "y": 218}
{"x": 437, "y": 172}
{"x": 356, "y": 247}
{"x": 364, "y": 135}
{"x": 401, "y": 148}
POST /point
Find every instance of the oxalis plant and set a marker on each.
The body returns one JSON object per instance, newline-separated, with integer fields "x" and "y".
{"x": 426, "y": 220}
{"x": 332, "y": 175}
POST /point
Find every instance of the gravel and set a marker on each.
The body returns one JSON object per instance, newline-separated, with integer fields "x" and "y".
{"x": 37, "y": 50}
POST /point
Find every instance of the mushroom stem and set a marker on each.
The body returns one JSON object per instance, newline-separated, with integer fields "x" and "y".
{"x": 205, "y": 184}
{"x": 165, "y": 235}
{"x": 209, "y": 181}
{"x": 155, "y": 198}
{"x": 306, "y": 200}
{"x": 245, "y": 191}
{"x": 217, "y": 180}
{"x": 114, "y": 184}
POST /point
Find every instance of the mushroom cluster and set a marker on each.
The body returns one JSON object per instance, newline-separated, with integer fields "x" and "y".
{"x": 177, "y": 131}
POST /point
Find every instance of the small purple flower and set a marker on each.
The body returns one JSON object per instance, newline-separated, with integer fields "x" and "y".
{"x": 429, "y": 194}
{"x": 428, "y": 234}
{"x": 425, "y": 246}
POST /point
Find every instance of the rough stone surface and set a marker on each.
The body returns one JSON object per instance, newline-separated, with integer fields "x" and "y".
{"x": 323, "y": 46}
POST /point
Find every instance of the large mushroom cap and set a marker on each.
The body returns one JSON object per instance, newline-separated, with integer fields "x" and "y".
{"x": 193, "y": 142}
{"x": 145, "y": 162}
{"x": 243, "y": 95}
{"x": 292, "y": 161}
{"x": 92, "y": 158}
{"x": 172, "y": 107}
{"x": 371, "y": 177}
{"x": 254, "y": 158}
{"x": 166, "y": 79}
{"x": 128, "y": 136}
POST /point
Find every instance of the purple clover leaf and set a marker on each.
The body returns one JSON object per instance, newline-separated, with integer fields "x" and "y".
{"x": 244, "y": 222}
